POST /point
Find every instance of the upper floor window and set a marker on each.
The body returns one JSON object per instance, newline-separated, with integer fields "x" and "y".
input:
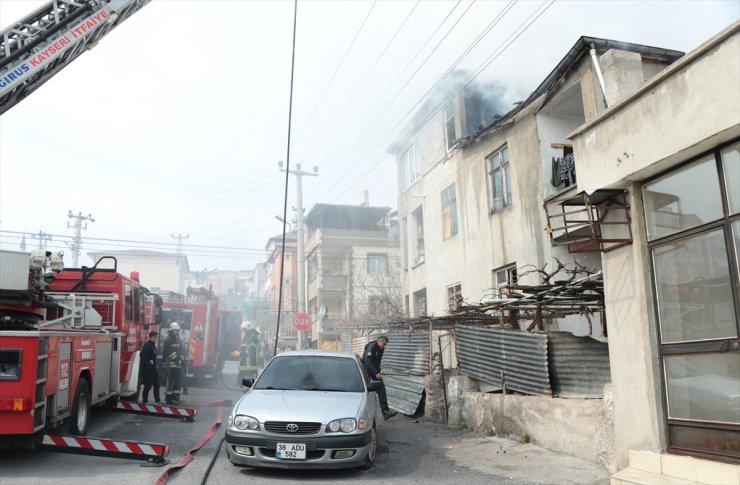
{"x": 377, "y": 264}
{"x": 449, "y": 211}
{"x": 418, "y": 237}
{"x": 499, "y": 179}
{"x": 454, "y": 296}
{"x": 504, "y": 276}
{"x": 450, "y": 130}
{"x": 410, "y": 166}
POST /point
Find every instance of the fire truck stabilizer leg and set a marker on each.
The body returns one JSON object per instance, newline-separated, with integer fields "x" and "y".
{"x": 183, "y": 414}
{"x": 154, "y": 453}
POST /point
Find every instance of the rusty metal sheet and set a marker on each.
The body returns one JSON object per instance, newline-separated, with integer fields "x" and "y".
{"x": 492, "y": 354}
{"x": 579, "y": 366}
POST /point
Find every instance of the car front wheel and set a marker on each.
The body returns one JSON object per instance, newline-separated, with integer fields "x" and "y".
{"x": 370, "y": 458}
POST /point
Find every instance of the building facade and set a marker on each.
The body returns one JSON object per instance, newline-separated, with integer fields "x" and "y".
{"x": 353, "y": 263}
{"x": 159, "y": 271}
{"x": 595, "y": 157}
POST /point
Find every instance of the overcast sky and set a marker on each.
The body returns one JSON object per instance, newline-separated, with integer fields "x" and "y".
{"x": 175, "y": 121}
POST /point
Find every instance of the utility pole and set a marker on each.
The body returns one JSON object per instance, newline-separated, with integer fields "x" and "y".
{"x": 42, "y": 237}
{"x": 300, "y": 239}
{"x": 179, "y": 238}
{"x": 76, "y": 245}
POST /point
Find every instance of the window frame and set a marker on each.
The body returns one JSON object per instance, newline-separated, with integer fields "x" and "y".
{"x": 504, "y": 172}
{"x": 451, "y": 204}
{"x": 377, "y": 257}
{"x": 694, "y": 347}
{"x": 454, "y": 291}
{"x": 410, "y": 169}
{"x": 508, "y": 270}
{"x": 450, "y": 143}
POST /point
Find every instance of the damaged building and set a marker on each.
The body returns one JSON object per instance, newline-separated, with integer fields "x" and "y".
{"x": 616, "y": 182}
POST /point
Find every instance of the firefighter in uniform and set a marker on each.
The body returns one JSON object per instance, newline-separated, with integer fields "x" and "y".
{"x": 172, "y": 356}
{"x": 248, "y": 352}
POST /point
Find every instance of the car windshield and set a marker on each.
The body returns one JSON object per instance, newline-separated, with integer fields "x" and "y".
{"x": 311, "y": 373}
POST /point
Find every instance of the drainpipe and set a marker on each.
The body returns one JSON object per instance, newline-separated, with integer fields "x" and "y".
{"x": 598, "y": 72}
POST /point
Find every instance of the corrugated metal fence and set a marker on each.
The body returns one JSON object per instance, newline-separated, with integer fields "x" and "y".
{"x": 556, "y": 363}
{"x": 406, "y": 361}
{"x": 496, "y": 356}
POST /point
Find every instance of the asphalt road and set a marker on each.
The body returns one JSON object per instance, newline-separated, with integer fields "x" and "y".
{"x": 410, "y": 451}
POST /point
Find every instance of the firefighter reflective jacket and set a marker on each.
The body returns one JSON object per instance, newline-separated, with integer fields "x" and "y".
{"x": 172, "y": 351}
{"x": 249, "y": 351}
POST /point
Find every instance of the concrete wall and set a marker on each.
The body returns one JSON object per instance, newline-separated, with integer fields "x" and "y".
{"x": 688, "y": 108}
{"x": 577, "y": 427}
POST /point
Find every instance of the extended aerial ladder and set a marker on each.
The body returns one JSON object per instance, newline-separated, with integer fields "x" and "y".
{"x": 43, "y": 43}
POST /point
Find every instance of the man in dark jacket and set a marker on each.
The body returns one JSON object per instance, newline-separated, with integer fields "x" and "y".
{"x": 148, "y": 364}
{"x": 371, "y": 357}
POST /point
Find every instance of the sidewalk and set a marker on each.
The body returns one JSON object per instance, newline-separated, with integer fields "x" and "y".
{"x": 507, "y": 458}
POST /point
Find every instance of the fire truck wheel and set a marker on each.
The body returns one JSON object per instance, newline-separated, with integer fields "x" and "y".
{"x": 80, "y": 416}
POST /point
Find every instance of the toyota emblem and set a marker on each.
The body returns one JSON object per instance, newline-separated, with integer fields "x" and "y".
{"x": 292, "y": 427}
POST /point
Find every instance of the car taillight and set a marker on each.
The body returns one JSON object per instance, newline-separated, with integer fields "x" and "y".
{"x": 15, "y": 404}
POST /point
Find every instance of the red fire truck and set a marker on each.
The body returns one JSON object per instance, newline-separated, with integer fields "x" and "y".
{"x": 69, "y": 339}
{"x": 206, "y": 330}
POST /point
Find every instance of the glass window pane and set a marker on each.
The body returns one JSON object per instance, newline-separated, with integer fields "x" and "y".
{"x": 731, "y": 167}
{"x": 704, "y": 387}
{"x": 694, "y": 288}
{"x": 495, "y": 160}
{"x": 505, "y": 153}
{"x": 736, "y": 232}
{"x": 507, "y": 175}
{"x": 683, "y": 199}
{"x": 498, "y": 203}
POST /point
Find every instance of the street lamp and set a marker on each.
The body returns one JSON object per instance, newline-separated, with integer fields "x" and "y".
{"x": 285, "y": 222}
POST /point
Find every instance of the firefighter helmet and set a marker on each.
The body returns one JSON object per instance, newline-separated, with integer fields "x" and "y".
{"x": 246, "y": 325}
{"x": 175, "y": 326}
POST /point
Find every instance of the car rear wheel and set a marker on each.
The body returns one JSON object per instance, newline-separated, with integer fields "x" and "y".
{"x": 370, "y": 458}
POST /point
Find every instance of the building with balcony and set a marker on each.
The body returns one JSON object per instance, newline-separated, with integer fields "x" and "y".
{"x": 623, "y": 160}
{"x": 353, "y": 260}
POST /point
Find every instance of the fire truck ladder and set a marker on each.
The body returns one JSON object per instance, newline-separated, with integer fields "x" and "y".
{"x": 78, "y": 311}
{"x": 43, "y": 43}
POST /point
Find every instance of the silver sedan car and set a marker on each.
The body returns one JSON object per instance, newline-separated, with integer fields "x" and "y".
{"x": 311, "y": 409}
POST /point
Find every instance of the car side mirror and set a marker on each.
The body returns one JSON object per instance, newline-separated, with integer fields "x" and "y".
{"x": 375, "y": 386}
{"x": 247, "y": 382}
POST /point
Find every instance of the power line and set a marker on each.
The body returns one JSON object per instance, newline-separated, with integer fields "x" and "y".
{"x": 523, "y": 27}
{"x": 364, "y": 80}
{"x": 388, "y": 104}
{"x": 452, "y": 66}
{"x": 189, "y": 194}
{"x": 287, "y": 177}
{"x": 339, "y": 66}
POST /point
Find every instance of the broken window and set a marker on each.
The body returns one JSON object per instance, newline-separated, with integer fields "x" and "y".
{"x": 454, "y": 296}
{"x": 418, "y": 227}
{"x": 377, "y": 264}
{"x": 450, "y": 130}
{"x": 499, "y": 179}
{"x": 376, "y": 305}
{"x": 449, "y": 211}
{"x": 506, "y": 275}
{"x": 410, "y": 166}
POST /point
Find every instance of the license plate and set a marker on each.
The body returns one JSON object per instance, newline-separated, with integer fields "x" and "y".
{"x": 291, "y": 451}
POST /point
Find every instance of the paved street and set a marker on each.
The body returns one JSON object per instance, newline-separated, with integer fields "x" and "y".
{"x": 411, "y": 451}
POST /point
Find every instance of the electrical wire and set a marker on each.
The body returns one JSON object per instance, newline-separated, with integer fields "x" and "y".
{"x": 364, "y": 80}
{"x": 523, "y": 27}
{"x": 331, "y": 80}
{"x": 287, "y": 175}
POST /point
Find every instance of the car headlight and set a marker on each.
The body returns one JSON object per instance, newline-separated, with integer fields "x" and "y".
{"x": 246, "y": 422}
{"x": 346, "y": 425}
